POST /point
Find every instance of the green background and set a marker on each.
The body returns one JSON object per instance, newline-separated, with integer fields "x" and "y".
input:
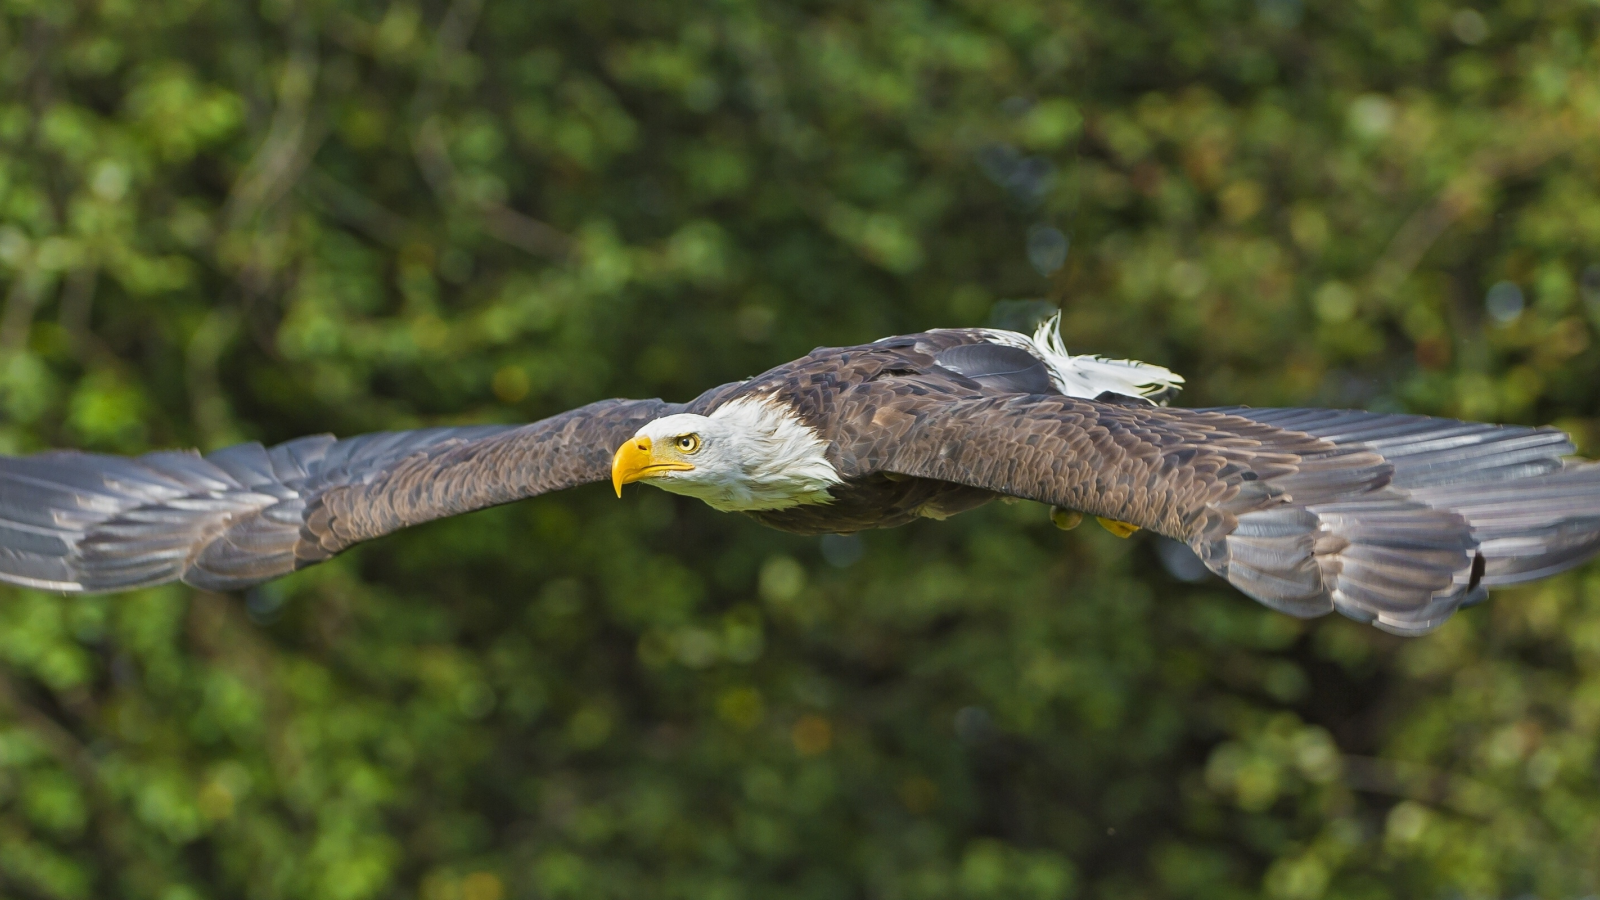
{"x": 252, "y": 220}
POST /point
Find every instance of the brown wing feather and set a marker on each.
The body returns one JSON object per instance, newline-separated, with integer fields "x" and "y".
{"x": 1303, "y": 523}
{"x": 88, "y": 522}
{"x": 1177, "y": 472}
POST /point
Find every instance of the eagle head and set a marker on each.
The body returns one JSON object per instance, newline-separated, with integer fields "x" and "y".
{"x": 748, "y": 454}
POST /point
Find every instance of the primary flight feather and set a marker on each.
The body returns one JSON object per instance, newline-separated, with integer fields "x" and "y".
{"x": 1391, "y": 519}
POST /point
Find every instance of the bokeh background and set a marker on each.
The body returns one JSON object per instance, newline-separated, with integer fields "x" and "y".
{"x": 227, "y": 220}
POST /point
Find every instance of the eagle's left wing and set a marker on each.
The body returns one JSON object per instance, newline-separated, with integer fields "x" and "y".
{"x": 1396, "y": 520}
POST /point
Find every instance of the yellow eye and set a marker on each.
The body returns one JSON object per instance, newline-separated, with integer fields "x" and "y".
{"x": 688, "y": 443}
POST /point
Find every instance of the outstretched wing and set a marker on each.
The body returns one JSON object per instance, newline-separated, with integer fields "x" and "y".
{"x": 1395, "y": 520}
{"x": 88, "y": 522}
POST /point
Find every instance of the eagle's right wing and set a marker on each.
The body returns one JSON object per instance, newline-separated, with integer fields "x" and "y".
{"x": 1391, "y": 519}
{"x": 74, "y": 521}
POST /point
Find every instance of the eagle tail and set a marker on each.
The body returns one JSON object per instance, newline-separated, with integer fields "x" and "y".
{"x": 1091, "y": 376}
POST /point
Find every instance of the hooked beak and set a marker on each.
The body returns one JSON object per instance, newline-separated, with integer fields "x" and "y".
{"x": 636, "y": 460}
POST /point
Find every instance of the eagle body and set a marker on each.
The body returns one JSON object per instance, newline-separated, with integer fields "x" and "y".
{"x": 852, "y": 404}
{"x": 1395, "y": 520}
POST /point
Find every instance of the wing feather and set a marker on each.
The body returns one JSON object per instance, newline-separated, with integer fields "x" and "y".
{"x": 239, "y": 516}
{"x": 1394, "y": 519}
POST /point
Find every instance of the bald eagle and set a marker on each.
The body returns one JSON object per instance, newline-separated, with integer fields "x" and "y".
{"x": 1396, "y": 520}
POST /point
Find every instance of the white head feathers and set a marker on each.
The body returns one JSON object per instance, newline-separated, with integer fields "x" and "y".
{"x": 752, "y": 453}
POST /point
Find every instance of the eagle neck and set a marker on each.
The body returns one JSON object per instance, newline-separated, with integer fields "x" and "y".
{"x": 782, "y": 461}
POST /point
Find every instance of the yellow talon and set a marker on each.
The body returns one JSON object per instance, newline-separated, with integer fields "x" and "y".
{"x": 1065, "y": 519}
{"x": 1120, "y": 529}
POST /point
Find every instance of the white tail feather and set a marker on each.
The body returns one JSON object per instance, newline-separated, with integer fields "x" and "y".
{"x": 1090, "y": 376}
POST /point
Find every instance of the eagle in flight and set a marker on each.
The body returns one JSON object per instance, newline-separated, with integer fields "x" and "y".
{"x": 1396, "y": 520}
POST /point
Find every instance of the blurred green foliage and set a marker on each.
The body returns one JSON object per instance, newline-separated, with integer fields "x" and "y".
{"x": 225, "y": 221}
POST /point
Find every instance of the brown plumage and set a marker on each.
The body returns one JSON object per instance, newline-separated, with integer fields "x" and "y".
{"x": 1396, "y": 520}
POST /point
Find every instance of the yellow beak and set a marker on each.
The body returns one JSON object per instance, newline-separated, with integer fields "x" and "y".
{"x": 636, "y": 460}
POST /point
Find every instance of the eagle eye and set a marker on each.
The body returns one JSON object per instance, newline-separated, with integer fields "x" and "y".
{"x": 688, "y": 443}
